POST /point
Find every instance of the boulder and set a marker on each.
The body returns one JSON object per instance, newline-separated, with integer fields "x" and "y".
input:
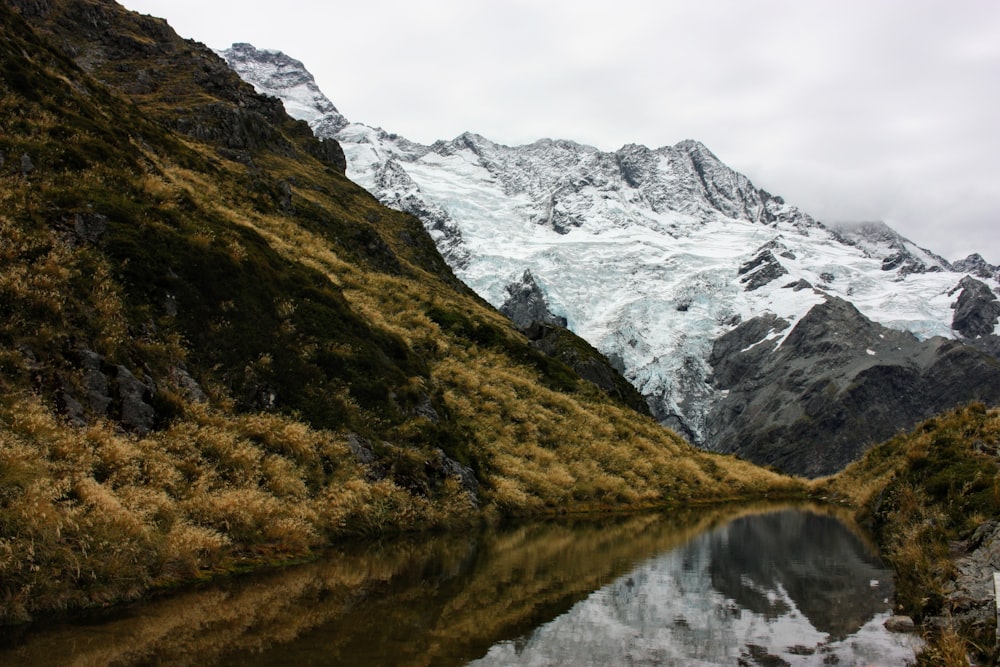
{"x": 900, "y": 624}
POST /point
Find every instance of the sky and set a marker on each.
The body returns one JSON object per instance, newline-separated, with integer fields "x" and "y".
{"x": 853, "y": 110}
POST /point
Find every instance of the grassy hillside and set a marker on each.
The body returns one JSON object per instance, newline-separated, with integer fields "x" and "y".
{"x": 215, "y": 350}
{"x": 925, "y": 494}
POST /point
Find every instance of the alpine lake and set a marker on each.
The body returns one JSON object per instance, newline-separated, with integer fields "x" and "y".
{"x": 770, "y": 585}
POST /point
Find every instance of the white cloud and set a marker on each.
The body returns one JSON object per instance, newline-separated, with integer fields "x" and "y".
{"x": 852, "y": 110}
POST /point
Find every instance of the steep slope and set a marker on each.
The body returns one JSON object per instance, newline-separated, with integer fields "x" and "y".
{"x": 217, "y": 350}
{"x": 653, "y": 255}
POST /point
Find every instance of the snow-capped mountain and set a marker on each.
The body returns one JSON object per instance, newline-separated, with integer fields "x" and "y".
{"x": 651, "y": 255}
{"x": 273, "y": 71}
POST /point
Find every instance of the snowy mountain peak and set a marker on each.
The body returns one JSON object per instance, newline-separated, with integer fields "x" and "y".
{"x": 651, "y": 255}
{"x": 269, "y": 71}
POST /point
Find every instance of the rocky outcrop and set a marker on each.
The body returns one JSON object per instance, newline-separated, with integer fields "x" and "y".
{"x": 761, "y": 270}
{"x": 275, "y": 70}
{"x": 394, "y": 188}
{"x": 971, "y": 598}
{"x": 90, "y": 227}
{"x": 526, "y": 304}
{"x": 113, "y": 391}
{"x": 837, "y": 384}
{"x": 976, "y": 310}
{"x": 975, "y": 265}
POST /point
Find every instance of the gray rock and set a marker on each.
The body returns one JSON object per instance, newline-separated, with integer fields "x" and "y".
{"x": 976, "y": 310}
{"x": 425, "y": 408}
{"x": 137, "y": 414}
{"x": 90, "y": 227}
{"x": 799, "y": 285}
{"x": 761, "y": 270}
{"x": 560, "y": 343}
{"x": 188, "y": 385}
{"x": 464, "y": 474}
{"x": 361, "y": 448}
{"x": 975, "y": 264}
{"x": 396, "y": 189}
{"x": 329, "y": 152}
{"x": 900, "y": 624}
{"x": 526, "y": 304}
{"x": 285, "y": 200}
{"x": 27, "y": 166}
{"x": 904, "y": 262}
{"x": 96, "y": 383}
{"x": 971, "y": 599}
{"x": 73, "y": 409}
{"x": 170, "y": 305}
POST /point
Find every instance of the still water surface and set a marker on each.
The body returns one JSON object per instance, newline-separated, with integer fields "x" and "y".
{"x": 775, "y": 587}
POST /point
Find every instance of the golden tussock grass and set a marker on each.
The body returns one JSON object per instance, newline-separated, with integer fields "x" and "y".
{"x": 544, "y": 449}
{"x": 93, "y": 515}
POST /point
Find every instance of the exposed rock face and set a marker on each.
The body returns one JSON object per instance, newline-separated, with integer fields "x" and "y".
{"x": 761, "y": 270}
{"x": 526, "y": 304}
{"x": 528, "y": 309}
{"x": 900, "y": 624}
{"x": 114, "y": 392}
{"x": 977, "y": 309}
{"x": 134, "y": 396}
{"x": 394, "y": 188}
{"x": 27, "y": 166}
{"x": 972, "y": 598}
{"x": 837, "y": 384}
{"x": 975, "y": 264}
{"x": 90, "y": 227}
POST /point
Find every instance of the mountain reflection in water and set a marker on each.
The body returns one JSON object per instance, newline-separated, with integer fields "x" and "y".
{"x": 773, "y": 588}
{"x": 785, "y": 588}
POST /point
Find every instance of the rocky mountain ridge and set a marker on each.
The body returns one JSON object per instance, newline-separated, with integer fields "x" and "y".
{"x": 655, "y": 255}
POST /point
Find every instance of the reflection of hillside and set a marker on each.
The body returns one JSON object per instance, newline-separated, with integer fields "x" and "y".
{"x": 821, "y": 566}
{"x": 432, "y": 596}
{"x": 434, "y": 600}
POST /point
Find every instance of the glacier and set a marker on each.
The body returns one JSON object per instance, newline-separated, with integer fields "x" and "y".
{"x": 649, "y": 254}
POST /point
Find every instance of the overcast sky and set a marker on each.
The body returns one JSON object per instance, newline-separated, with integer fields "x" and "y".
{"x": 850, "y": 109}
